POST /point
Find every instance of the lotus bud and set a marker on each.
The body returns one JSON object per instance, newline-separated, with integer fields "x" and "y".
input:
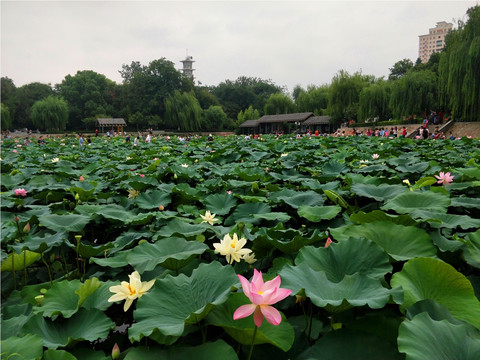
{"x": 39, "y": 299}
{"x": 77, "y": 197}
{"x": 26, "y": 228}
{"x": 82, "y": 178}
{"x": 175, "y": 176}
{"x": 161, "y": 208}
{"x": 16, "y": 218}
{"x": 115, "y": 352}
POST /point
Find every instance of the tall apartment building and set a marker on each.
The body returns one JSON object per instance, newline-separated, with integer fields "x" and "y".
{"x": 434, "y": 41}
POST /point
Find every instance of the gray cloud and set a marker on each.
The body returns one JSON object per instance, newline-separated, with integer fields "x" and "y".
{"x": 289, "y": 42}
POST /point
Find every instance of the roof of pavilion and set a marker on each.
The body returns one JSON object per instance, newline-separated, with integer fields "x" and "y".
{"x": 314, "y": 120}
{"x": 111, "y": 122}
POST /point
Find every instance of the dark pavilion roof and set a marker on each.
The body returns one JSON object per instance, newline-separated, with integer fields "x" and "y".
{"x": 111, "y": 122}
{"x": 314, "y": 120}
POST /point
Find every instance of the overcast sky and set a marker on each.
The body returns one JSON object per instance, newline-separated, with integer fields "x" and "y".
{"x": 288, "y": 42}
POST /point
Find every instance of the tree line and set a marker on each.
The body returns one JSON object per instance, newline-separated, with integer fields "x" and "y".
{"x": 158, "y": 96}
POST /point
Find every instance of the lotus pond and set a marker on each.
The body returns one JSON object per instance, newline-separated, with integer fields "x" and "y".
{"x": 364, "y": 252}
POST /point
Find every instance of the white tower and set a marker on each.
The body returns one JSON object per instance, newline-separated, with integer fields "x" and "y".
{"x": 188, "y": 67}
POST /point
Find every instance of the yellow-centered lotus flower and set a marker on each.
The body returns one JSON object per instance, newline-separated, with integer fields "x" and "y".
{"x": 232, "y": 248}
{"x": 132, "y": 193}
{"x": 130, "y": 291}
{"x": 208, "y": 217}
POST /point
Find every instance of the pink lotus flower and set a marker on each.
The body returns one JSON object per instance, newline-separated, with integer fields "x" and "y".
{"x": 142, "y": 175}
{"x": 328, "y": 242}
{"x": 262, "y": 295}
{"x": 444, "y": 178}
{"x": 82, "y": 178}
{"x": 20, "y": 192}
{"x": 229, "y": 192}
{"x": 15, "y": 151}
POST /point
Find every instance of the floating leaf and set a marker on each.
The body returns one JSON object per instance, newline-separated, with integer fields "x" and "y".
{"x": 424, "y": 338}
{"x": 66, "y": 223}
{"x": 427, "y": 278}
{"x": 15, "y": 347}
{"x": 319, "y": 213}
{"x": 400, "y": 242}
{"x": 175, "y": 302}
{"x": 409, "y": 201}
{"x": 19, "y": 261}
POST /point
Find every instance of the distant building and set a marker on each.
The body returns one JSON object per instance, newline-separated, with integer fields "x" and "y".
{"x": 434, "y": 41}
{"x": 188, "y": 67}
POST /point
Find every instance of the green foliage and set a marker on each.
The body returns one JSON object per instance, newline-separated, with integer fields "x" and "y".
{"x": 414, "y": 93}
{"x": 344, "y": 95}
{"x": 24, "y": 98}
{"x": 459, "y": 72}
{"x": 279, "y": 104}
{"x": 374, "y": 101}
{"x": 5, "y": 117}
{"x": 314, "y": 99}
{"x": 88, "y": 94}
{"x": 182, "y": 111}
{"x": 247, "y": 114}
{"x": 400, "y": 68}
{"x": 214, "y": 118}
{"x": 243, "y": 92}
{"x": 50, "y": 114}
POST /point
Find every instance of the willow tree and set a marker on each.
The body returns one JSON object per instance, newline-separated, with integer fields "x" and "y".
{"x": 459, "y": 70}
{"x": 50, "y": 114}
{"x": 374, "y": 101}
{"x": 414, "y": 93}
{"x": 314, "y": 99}
{"x": 183, "y": 111}
{"x": 279, "y": 104}
{"x": 344, "y": 93}
{"x": 5, "y": 117}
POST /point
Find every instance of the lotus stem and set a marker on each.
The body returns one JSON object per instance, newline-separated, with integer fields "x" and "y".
{"x": 48, "y": 269}
{"x": 253, "y": 343}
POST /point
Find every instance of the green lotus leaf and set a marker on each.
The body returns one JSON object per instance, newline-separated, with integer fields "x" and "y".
{"x": 42, "y": 241}
{"x": 417, "y": 167}
{"x": 245, "y": 212}
{"x": 51, "y": 354}
{"x": 333, "y": 168}
{"x": 376, "y": 169}
{"x": 117, "y": 261}
{"x": 273, "y": 216}
{"x": 471, "y": 173}
{"x": 287, "y": 241}
{"x": 11, "y": 181}
{"x": 451, "y": 221}
{"x": 20, "y": 261}
{"x": 281, "y": 336}
{"x": 177, "y": 226}
{"x": 115, "y": 213}
{"x": 336, "y": 198}
{"x": 318, "y": 213}
{"x": 466, "y": 202}
{"x": 378, "y": 215}
{"x": 172, "y": 253}
{"x": 220, "y": 204}
{"x": 87, "y": 289}
{"x": 175, "y": 302}
{"x": 88, "y": 209}
{"x": 400, "y": 242}
{"x": 355, "y": 255}
{"x": 472, "y": 253}
{"x": 98, "y": 299}
{"x": 60, "y": 299}
{"x": 427, "y": 278}
{"x": 307, "y": 198}
{"x": 27, "y": 347}
{"x": 88, "y": 325}
{"x": 424, "y": 338}
{"x": 409, "y": 201}
{"x": 356, "y": 289}
{"x": 65, "y": 223}
{"x": 350, "y": 344}
{"x": 445, "y": 244}
{"x": 12, "y": 326}
{"x": 218, "y": 350}
{"x": 381, "y": 192}
{"x": 127, "y": 238}
{"x": 153, "y": 199}
{"x": 187, "y": 191}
